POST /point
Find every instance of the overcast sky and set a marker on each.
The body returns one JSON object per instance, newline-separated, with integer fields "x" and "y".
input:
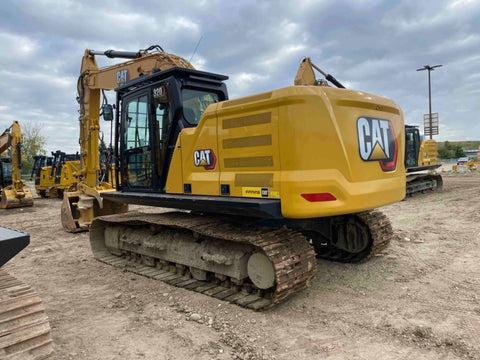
{"x": 368, "y": 45}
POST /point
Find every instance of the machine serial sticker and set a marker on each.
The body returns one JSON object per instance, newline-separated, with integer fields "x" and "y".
{"x": 258, "y": 192}
{"x": 377, "y": 142}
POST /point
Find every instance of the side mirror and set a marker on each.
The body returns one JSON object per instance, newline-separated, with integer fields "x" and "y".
{"x": 107, "y": 111}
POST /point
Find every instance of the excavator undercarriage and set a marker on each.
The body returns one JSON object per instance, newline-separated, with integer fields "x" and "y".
{"x": 421, "y": 182}
{"x": 247, "y": 261}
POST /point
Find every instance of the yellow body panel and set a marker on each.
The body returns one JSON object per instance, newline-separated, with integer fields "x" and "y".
{"x": 46, "y": 181}
{"x": 70, "y": 173}
{"x": 428, "y": 153}
{"x": 204, "y": 182}
{"x": 293, "y": 141}
{"x": 174, "y": 184}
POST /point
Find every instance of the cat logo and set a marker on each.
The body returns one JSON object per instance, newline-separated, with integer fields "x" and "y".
{"x": 205, "y": 158}
{"x": 122, "y": 77}
{"x": 377, "y": 142}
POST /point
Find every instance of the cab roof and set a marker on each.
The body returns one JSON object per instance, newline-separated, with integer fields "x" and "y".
{"x": 178, "y": 72}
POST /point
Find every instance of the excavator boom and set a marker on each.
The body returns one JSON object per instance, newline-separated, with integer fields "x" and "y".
{"x": 82, "y": 204}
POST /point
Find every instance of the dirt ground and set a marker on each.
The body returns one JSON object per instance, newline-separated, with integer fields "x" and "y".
{"x": 420, "y": 299}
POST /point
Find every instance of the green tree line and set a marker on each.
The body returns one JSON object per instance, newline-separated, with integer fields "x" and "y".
{"x": 449, "y": 151}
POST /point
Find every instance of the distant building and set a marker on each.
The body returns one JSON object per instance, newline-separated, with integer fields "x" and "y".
{"x": 472, "y": 154}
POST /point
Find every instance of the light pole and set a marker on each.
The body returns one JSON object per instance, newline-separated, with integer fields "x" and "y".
{"x": 429, "y": 68}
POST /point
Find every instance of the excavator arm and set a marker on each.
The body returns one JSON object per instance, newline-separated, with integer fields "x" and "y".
{"x": 306, "y": 75}
{"x": 16, "y": 194}
{"x": 81, "y": 205}
{"x": 5, "y": 140}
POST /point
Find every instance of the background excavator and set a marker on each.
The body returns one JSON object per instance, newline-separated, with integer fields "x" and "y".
{"x": 272, "y": 180}
{"x": 420, "y": 161}
{"x": 24, "y": 327}
{"x": 14, "y": 193}
{"x": 82, "y": 203}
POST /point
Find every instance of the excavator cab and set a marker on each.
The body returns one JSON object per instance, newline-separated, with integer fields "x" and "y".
{"x": 412, "y": 146}
{"x": 56, "y": 170}
{"x": 37, "y": 167}
{"x": 153, "y": 113}
{"x": 5, "y": 172}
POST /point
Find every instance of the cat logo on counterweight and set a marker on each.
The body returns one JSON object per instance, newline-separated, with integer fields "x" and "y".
{"x": 377, "y": 142}
{"x": 205, "y": 158}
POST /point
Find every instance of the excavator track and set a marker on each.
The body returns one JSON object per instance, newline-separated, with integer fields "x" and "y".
{"x": 422, "y": 182}
{"x": 292, "y": 257}
{"x": 372, "y": 228}
{"x": 24, "y": 327}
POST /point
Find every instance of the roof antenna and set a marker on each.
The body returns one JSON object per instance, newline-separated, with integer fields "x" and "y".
{"x": 195, "y": 50}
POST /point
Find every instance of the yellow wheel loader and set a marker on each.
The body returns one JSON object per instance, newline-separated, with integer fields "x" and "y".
{"x": 24, "y": 327}
{"x": 270, "y": 180}
{"x": 14, "y": 193}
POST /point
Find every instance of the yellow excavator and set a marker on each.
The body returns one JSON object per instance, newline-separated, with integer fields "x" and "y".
{"x": 82, "y": 203}
{"x": 420, "y": 162}
{"x": 14, "y": 193}
{"x": 270, "y": 180}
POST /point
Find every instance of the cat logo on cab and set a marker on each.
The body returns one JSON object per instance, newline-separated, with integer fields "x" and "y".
{"x": 205, "y": 158}
{"x": 377, "y": 142}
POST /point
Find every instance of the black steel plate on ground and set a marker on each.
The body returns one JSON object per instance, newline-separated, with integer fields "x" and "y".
{"x": 11, "y": 243}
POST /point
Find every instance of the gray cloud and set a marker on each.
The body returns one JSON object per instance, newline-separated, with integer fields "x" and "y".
{"x": 373, "y": 46}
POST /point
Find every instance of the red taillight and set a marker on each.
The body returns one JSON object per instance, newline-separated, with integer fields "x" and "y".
{"x": 319, "y": 197}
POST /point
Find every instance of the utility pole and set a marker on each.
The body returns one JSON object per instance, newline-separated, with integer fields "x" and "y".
{"x": 429, "y": 68}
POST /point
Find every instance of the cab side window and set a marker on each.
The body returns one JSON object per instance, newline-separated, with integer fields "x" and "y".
{"x": 195, "y": 102}
{"x": 136, "y": 124}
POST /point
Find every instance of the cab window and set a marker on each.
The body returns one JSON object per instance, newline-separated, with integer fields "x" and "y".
{"x": 136, "y": 126}
{"x": 195, "y": 102}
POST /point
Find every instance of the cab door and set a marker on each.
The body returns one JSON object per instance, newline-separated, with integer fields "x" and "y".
{"x": 136, "y": 149}
{"x": 412, "y": 148}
